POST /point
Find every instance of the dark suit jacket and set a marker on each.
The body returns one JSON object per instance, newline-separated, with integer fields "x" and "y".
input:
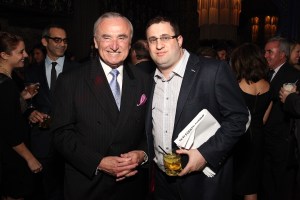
{"x": 209, "y": 84}
{"x": 277, "y": 128}
{"x": 279, "y": 155}
{"x": 146, "y": 66}
{"x": 88, "y": 126}
{"x": 292, "y": 106}
{"x": 43, "y": 102}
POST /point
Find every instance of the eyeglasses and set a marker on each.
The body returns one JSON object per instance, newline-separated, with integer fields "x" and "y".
{"x": 57, "y": 39}
{"x": 163, "y": 38}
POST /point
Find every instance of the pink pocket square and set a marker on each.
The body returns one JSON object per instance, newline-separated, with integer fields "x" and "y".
{"x": 143, "y": 100}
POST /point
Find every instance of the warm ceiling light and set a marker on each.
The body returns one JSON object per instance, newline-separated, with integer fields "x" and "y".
{"x": 219, "y": 12}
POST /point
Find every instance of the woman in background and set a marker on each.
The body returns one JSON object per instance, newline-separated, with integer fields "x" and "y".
{"x": 295, "y": 54}
{"x": 17, "y": 162}
{"x": 249, "y": 65}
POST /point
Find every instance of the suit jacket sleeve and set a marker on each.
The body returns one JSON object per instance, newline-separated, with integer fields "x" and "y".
{"x": 65, "y": 137}
{"x": 232, "y": 114}
{"x": 292, "y": 104}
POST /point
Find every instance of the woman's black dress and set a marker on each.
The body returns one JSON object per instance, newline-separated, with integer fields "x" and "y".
{"x": 16, "y": 178}
{"x": 248, "y": 152}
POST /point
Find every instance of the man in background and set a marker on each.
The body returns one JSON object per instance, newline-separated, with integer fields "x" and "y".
{"x": 48, "y": 183}
{"x": 140, "y": 57}
{"x": 280, "y": 164}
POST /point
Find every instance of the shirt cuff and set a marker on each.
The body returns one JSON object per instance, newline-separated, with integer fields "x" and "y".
{"x": 97, "y": 171}
{"x": 145, "y": 158}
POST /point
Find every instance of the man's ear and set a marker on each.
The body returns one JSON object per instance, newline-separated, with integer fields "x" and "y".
{"x": 44, "y": 42}
{"x": 282, "y": 55}
{"x": 180, "y": 40}
{"x": 95, "y": 43}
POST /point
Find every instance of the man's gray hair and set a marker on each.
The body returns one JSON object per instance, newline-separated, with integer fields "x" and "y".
{"x": 284, "y": 45}
{"x": 112, "y": 15}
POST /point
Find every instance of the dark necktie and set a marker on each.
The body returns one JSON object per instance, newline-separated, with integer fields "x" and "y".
{"x": 270, "y": 74}
{"x": 114, "y": 86}
{"x": 53, "y": 76}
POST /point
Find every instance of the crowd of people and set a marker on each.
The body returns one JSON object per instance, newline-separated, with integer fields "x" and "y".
{"x": 99, "y": 129}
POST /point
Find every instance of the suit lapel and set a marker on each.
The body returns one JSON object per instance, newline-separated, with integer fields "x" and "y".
{"x": 149, "y": 108}
{"x": 148, "y": 120}
{"x": 128, "y": 100}
{"x": 129, "y": 96}
{"x": 98, "y": 83}
{"x": 186, "y": 86}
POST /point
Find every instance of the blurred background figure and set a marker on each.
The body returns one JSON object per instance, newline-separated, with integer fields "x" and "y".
{"x": 291, "y": 104}
{"x": 92, "y": 53}
{"x": 295, "y": 54}
{"x": 207, "y": 52}
{"x": 38, "y": 54}
{"x": 280, "y": 149}
{"x": 16, "y": 160}
{"x": 250, "y": 67}
{"x": 222, "y": 49}
{"x": 140, "y": 56}
{"x": 49, "y": 184}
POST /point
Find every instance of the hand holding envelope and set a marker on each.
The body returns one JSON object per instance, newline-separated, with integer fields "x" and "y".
{"x": 198, "y": 131}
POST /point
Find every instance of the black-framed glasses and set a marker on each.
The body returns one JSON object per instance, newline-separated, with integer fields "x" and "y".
{"x": 58, "y": 39}
{"x": 163, "y": 38}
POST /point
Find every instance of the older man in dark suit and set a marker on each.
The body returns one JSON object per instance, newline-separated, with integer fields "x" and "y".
{"x": 279, "y": 159}
{"x": 99, "y": 119}
{"x": 184, "y": 85}
{"x": 48, "y": 183}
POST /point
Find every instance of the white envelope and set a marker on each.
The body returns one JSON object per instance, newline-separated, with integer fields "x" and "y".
{"x": 198, "y": 131}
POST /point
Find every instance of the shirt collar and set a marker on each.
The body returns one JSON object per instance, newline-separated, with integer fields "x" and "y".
{"x": 179, "y": 68}
{"x": 278, "y": 68}
{"x": 60, "y": 61}
{"x": 107, "y": 68}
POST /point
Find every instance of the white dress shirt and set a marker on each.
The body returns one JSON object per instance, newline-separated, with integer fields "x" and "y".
{"x": 164, "y": 105}
{"x": 58, "y": 67}
{"x": 109, "y": 77}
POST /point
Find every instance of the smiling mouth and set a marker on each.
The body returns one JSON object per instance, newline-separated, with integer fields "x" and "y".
{"x": 114, "y": 53}
{"x": 160, "y": 53}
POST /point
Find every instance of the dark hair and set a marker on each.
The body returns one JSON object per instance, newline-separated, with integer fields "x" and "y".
{"x": 160, "y": 19}
{"x": 248, "y": 62}
{"x": 221, "y": 46}
{"x": 141, "y": 50}
{"x": 9, "y": 42}
{"x": 46, "y": 31}
{"x": 40, "y": 47}
{"x": 207, "y": 52}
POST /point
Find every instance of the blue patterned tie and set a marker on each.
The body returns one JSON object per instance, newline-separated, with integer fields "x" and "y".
{"x": 114, "y": 86}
